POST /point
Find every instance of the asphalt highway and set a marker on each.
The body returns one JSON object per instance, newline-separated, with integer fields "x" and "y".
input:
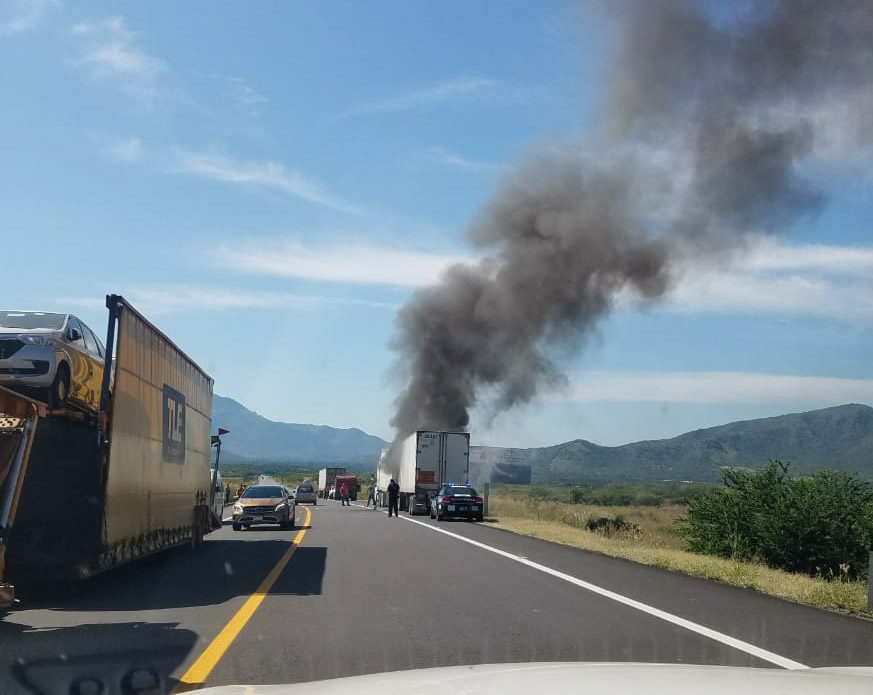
{"x": 349, "y": 591}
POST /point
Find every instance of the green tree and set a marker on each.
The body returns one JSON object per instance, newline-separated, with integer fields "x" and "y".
{"x": 818, "y": 525}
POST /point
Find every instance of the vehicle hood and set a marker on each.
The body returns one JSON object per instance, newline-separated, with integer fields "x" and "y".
{"x": 614, "y": 679}
{"x": 259, "y": 501}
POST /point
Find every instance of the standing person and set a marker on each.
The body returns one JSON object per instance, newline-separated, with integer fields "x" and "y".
{"x": 227, "y": 494}
{"x": 344, "y": 495}
{"x": 371, "y": 495}
{"x": 393, "y": 495}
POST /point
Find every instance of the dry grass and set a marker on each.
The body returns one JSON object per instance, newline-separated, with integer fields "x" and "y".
{"x": 655, "y": 542}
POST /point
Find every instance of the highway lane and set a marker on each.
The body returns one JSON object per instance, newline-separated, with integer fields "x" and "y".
{"x": 808, "y": 635}
{"x": 377, "y": 594}
{"x": 363, "y": 593}
{"x": 157, "y": 611}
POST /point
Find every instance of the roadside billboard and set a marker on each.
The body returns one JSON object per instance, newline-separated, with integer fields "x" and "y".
{"x": 492, "y": 464}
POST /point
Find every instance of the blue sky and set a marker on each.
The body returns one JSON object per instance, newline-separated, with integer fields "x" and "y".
{"x": 270, "y": 181}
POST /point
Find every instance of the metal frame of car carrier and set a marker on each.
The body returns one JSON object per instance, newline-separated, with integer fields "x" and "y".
{"x": 19, "y": 416}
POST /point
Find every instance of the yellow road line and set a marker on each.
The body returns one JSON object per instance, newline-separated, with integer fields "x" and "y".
{"x": 196, "y": 675}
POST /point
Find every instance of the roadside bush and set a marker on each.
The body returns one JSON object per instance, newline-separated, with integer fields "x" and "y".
{"x": 538, "y": 492}
{"x": 820, "y": 525}
{"x": 608, "y": 525}
{"x": 578, "y": 496}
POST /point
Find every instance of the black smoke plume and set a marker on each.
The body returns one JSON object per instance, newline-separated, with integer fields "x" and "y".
{"x": 711, "y": 118}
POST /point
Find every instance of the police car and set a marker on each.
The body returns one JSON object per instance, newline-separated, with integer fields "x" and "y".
{"x": 456, "y": 501}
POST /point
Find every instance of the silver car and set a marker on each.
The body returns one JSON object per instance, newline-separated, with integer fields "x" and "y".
{"x": 51, "y": 356}
{"x": 306, "y": 494}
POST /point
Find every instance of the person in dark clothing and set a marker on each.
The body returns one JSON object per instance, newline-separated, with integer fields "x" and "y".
{"x": 227, "y": 494}
{"x": 393, "y": 495}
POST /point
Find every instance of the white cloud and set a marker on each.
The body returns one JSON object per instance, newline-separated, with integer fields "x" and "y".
{"x": 440, "y": 155}
{"x": 771, "y": 255}
{"x": 835, "y": 287}
{"x": 181, "y": 298}
{"x": 717, "y": 387}
{"x": 341, "y": 263}
{"x": 19, "y": 16}
{"x": 218, "y": 167}
{"x": 460, "y": 89}
{"x": 813, "y": 280}
{"x": 263, "y": 174}
{"x": 243, "y": 96}
{"x": 110, "y": 52}
{"x": 124, "y": 149}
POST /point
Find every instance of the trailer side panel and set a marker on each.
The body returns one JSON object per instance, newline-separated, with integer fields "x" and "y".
{"x": 159, "y": 440}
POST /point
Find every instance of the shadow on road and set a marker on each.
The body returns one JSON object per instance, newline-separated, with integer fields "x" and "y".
{"x": 59, "y": 633}
{"x": 304, "y": 574}
{"x": 220, "y": 571}
{"x": 124, "y": 657}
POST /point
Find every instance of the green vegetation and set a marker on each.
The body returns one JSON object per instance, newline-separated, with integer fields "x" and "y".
{"x": 654, "y": 526}
{"x": 829, "y": 506}
{"x": 292, "y": 480}
{"x": 615, "y": 494}
{"x": 820, "y": 525}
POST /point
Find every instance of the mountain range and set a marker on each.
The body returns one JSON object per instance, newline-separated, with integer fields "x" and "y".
{"x": 839, "y": 438}
{"x": 253, "y": 437}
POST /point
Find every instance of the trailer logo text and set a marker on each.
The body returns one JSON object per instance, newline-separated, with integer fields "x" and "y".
{"x": 174, "y": 425}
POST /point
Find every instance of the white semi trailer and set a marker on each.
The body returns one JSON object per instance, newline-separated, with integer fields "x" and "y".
{"x": 421, "y": 464}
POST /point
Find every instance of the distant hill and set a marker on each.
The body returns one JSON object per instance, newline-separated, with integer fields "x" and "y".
{"x": 254, "y": 437}
{"x": 839, "y": 438}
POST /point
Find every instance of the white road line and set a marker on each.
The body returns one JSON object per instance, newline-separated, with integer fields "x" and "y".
{"x": 645, "y": 608}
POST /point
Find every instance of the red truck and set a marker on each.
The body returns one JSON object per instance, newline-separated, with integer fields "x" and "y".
{"x": 351, "y": 482}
